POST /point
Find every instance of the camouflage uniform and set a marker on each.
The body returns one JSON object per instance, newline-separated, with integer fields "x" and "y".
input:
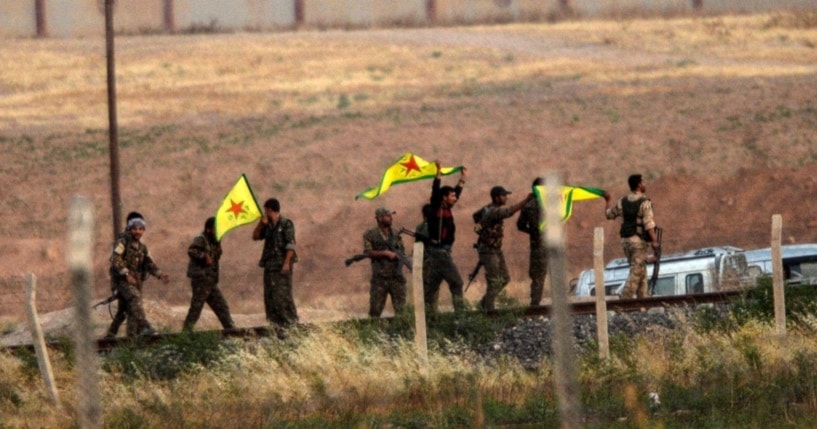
{"x": 387, "y": 277}
{"x": 121, "y": 304}
{"x": 528, "y": 222}
{"x": 132, "y": 257}
{"x": 279, "y": 303}
{"x": 632, "y": 239}
{"x": 204, "y": 282}
{"x": 491, "y": 232}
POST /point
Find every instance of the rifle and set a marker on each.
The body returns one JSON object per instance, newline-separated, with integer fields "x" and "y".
{"x": 400, "y": 255}
{"x": 659, "y": 232}
{"x": 107, "y": 300}
{"x": 472, "y": 275}
{"x": 426, "y": 240}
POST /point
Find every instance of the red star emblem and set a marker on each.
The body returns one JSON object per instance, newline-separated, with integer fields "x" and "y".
{"x": 236, "y": 207}
{"x": 410, "y": 165}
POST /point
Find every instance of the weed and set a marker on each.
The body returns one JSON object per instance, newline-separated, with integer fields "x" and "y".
{"x": 800, "y": 20}
{"x": 757, "y": 304}
{"x": 613, "y": 115}
{"x": 473, "y": 329}
{"x": 686, "y": 62}
{"x": 203, "y": 28}
{"x": 343, "y": 102}
{"x": 168, "y": 359}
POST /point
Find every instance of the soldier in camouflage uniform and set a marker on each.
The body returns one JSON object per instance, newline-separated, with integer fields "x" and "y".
{"x": 442, "y": 232}
{"x": 277, "y": 259}
{"x": 381, "y": 244}
{"x": 528, "y": 222}
{"x": 130, "y": 258}
{"x": 205, "y": 253}
{"x": 121, "y": 304}
{"x": 490, "y": 225}
{"x": 637, "y": 233}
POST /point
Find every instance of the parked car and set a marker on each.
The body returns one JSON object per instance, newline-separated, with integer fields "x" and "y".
{"x": 698, "y": 271}
{"x": 799, "y": 262}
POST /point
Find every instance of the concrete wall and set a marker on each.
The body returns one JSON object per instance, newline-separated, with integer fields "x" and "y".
{"x": 234, "y": 14}
{"x": 620, "y": 7}
{"x": 363, "y": 13}
{"x": 76, "y": 18}
{"x": 17, "y": 18}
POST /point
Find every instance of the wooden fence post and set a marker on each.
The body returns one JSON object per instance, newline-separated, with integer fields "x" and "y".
{"x": 777, "y": 277}
{"x": 38, "y": 339}
{"x": 601, "y": 294}
{"x": 420, "y": 335}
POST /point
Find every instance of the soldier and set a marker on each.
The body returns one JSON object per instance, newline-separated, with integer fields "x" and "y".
{"x": 277, "y": 259}
{"x": 383, "y": 245}
{"x": 441, "y": 232}
{"x": 129, "y": 259}
{"x": 528, "y": 222}
{"x": 121, "y": 304}
{"x": 202, "y": 269}
{"x": 637, "y": 233}
{"x": 490, "y": 226}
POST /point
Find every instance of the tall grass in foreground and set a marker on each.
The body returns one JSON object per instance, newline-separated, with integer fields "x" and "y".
{"x": 707, "y": 373}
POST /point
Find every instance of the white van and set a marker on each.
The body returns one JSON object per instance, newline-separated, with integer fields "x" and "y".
{"x": 799, "y": 262}
{"x": 698, "y": 271}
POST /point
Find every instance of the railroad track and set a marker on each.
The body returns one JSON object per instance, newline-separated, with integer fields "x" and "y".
{"x": 576, "y": 308}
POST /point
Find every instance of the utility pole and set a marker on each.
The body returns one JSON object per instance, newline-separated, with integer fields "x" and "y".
{"x": 116, "y": 199}
{"x": 39, "y": 17}
{"x": 168, "y": 18}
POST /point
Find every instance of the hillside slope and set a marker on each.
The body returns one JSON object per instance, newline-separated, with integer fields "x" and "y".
{"x": 718, "y": 114}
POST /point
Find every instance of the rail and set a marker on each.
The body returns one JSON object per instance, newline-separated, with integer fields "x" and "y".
{"x": 576, "y": 308}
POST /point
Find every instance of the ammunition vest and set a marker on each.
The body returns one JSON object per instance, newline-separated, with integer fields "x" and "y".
{"x": 633, "y": 223}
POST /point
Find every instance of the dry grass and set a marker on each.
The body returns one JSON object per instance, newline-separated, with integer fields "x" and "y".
{"x": 164, "y": 78}
{"x": 326, "y": 376}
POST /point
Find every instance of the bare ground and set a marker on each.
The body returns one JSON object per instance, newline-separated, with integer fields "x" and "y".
{"x": 722, "y": 151}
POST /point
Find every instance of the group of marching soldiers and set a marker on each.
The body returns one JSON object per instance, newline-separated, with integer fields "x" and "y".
{"x": 131, "y": 262}
{"x": 384, "y": 246}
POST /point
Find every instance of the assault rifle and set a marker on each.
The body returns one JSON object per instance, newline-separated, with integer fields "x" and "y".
{"x": 426, "y": 240}
{"x": 473, "y": 275}
{"x": 400, "y": 255}
{"x": 107, "y": 300}
{"x": 659, "y": 232}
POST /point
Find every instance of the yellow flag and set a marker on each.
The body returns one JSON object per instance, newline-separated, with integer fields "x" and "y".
{"x": 238, "y": 208}
{"x": 408, "y": 168}
{"x": 569, "y": 195}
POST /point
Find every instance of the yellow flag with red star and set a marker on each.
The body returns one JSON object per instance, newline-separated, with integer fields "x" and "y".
{"x": 408, "y": 168}
{"x": 238, "y": 208}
